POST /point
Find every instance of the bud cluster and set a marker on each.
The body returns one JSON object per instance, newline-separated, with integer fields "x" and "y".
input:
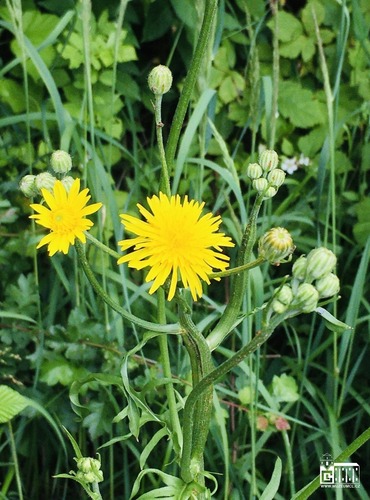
{"x": 89, "y": 470}
{"x": 313, "y": 279}
{"x": 61, "y": 164}
{"x": 266, "y": 177}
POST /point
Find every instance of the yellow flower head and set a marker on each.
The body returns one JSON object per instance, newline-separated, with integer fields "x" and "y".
{"x": 175, "y": 239}
{"x": 65, "y": 216}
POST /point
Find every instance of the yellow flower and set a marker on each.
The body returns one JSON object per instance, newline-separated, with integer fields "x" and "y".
{"x": 175, "y": 239}
{"x": 65, "y": 216}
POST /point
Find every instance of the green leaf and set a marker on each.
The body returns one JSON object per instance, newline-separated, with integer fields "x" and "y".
{"x": 331, "y": 322}
{"x": 273, "y": 485}
{"x": 285, "y": 388}
{"x": 300, "y": 106}
{"x": 12, "y": 403}
{"x": 290, "y": 27}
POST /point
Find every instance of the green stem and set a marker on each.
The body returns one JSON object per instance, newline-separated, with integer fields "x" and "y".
{"x": 15, "y": 460}
{"x": 164, "y": 185}
{"x": 310, "y": 488}
{"x": 275, "y": 75}
{"x": 288, "y": 452}
{"x": 238, "y": 269}
{"x": 102, "y": 246}
{"x": 192, "y": 463}
{"x": 227, "y": 320}
{"x": 147, "y": 325}
{"x": 189, "y": 83}
{"x": 166, "y": 365}
{"x": 205, "y": 385}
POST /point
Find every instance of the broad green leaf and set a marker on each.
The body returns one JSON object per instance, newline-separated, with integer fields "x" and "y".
{"x": 290, "y": 27}
{"x": 11, "y": 404}
{"x": 300, "y": 105}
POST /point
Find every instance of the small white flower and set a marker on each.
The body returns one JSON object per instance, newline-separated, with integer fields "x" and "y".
{"x": 304, "y": 161}
{"x": 289, "y": 165}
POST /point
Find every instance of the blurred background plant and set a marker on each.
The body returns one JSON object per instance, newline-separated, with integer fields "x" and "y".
{"x": 74, "y": 77}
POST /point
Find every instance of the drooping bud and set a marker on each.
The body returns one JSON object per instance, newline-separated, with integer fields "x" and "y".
{"x": 61, "y": 162}
{"x": 28, "y": 186}
{"x": 306, "y": 298}
{"x": 299, "y": 268}
{"x": 260, "y": 184}
{"x": 320, "y": 262}
{"x": 276, "y": 177}
{"x": 254, "y": 171}
{"x": 276, "y": 245}
{"x": 268, "y": 160}
{"x": 328, "y": 285}
{"x": 160, "y": 80}
{"x": 45, "y": 181}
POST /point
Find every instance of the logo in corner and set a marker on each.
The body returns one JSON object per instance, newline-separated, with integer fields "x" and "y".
{"x": 338, "y": 474}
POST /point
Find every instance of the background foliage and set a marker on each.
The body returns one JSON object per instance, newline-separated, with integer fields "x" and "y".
{"x": 75, "y": 79}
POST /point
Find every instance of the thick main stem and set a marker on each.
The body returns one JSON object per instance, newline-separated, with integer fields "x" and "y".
{"x": 187, "y": 472}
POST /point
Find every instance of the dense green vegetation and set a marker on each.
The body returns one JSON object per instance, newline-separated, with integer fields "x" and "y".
{"x": 289, "y": 76}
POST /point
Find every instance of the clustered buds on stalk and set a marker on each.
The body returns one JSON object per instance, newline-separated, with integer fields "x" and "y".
{"x": 89, "y": 470}
{"x": 266, "y": 177}
{"x": 313, "y": 279}
{"x": 160, "y": 80}
{"x": 61, "y": 163}
{"x": 276, "y": 246}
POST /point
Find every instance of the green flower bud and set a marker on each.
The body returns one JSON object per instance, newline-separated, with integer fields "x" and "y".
{"x": 45, "y": 181}
{"x": 28, "y": 187}
{"x": 276, "y": 245}
{"x": 254, "y": 171}
{"x": 260, "y": 184}
{"x": 270, "y": 192}
{"x": 299, "y": 268}
{"x": 268, "y": 160}
{"x": 276, "y": 177}
{"x": 160, "y": 80}
{"x": 320, "y": 262}
{"x": 278, "y": 306}
{"x": 284, "y": 295}
{"x": 67, "y": 182}
{"x": 61, "y": 162}
{"x": 88, "y": 464}
{"x": 306, "y": 298}
{"x": 327, "y": 286}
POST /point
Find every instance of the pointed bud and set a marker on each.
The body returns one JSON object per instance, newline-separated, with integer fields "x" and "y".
{"x": 306, "y": 298}
{"x": 320, "y": 262}
{"x": 327, "y": 286}
{"x": 28, "y": 187}
{"x": 276, "y": 245}
{"x": 254, "y": 171}
{"x": 61, "y": 162}
{"x": 268, "y": 160}
{"x": 160, "y": 80}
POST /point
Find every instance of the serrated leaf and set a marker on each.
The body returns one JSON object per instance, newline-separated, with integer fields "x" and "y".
{"x": 301, "y": 45}
{"x": 12, "y": 403}
{"x": 300, "y": 106}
